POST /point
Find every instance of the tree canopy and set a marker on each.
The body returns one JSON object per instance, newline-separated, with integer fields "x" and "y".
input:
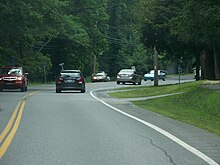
{"x": 110, "y": 35}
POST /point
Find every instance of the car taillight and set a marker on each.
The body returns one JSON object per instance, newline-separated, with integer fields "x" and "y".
{"x": 59, "y": 79}
{"x": 80, "y": 79}
{"x": 130, "y": 76}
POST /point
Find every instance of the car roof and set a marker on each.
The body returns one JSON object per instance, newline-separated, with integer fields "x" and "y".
{"x": 127, "y": 70}
{"x": 11, "y": 67}
{"x": 100, "y": 72}
{"x": 66, "y": 71}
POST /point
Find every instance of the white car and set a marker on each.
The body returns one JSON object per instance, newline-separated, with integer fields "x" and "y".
{"x": 150, "y": 75}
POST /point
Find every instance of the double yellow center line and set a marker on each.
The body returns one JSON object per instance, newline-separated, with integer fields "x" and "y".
{"x": 8, "y": 133}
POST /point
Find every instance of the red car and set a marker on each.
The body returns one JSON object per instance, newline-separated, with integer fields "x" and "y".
{"x": 12, "y": 77}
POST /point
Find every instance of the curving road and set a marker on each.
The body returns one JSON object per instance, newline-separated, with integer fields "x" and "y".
{"x": 73, "y": 128}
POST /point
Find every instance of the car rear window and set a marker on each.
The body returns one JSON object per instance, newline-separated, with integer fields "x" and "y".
{"x": 70, "y": 74}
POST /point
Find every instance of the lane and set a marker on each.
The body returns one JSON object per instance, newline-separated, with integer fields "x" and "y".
{"x": 63, "y": 130}
{"x": 74, "y": 128}
{"x": 8, "y": 102}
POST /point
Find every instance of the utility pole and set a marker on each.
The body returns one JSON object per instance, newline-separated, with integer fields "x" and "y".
{"x": 155, "y": 66}
{"x": 94, "y": 63}
{"x": 45, "y": 75}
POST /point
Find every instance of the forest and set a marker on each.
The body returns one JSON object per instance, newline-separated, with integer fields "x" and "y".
{"x": 109, "y": 35}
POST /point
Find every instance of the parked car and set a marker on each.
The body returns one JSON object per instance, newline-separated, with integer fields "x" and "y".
{"x": 200, "y": 73}
{"x": 100, "y": 76}
{"x": 150, "y": 75}
{"x": 12, "y": 77}
{"x": 128, "y": 76}
{"x": 70, "y": 80}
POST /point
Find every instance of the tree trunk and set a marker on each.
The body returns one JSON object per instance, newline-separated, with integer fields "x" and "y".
{"x": 202, "y": 62}
{"x": 216, "y": 63}
{"x": 198, "y": 67}
{"x": 207, "y": 64}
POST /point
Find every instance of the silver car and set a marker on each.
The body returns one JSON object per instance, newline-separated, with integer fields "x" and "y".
{"x": 128, "y": 76}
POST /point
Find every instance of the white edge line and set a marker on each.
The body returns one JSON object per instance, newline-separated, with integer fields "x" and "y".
{"x": 163, "y": 132}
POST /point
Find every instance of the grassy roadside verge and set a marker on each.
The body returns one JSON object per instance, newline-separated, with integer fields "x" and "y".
{"x": 197, "y": 105}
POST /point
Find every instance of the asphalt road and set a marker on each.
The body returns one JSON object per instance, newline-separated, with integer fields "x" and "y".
{"x": 73, "y": 128}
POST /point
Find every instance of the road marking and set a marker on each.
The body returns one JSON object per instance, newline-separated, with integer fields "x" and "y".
{"x": 11, "y": 135}
{"x": 19, "y": 109}
{"x": 8, "y": 127}
{"x": 163, "y": 132}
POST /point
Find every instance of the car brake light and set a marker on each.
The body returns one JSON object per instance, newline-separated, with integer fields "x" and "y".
{"x": 59, "y": 79}
{"x": 80, "y": 79}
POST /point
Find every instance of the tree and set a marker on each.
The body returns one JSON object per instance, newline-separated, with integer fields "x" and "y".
{"x": 198, "y": 23}
{"x": 92, "y": 15}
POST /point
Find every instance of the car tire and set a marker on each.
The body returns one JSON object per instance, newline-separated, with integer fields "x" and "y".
{"x": 83, "y": 90}
{"x": 22, "y": 88}
{"x": 25, "y": 88}
{"x": 163, "y": 79}
{"x": 139, "y": 83}
{"x": 118, "y": 82}
{"x": 1, "y": 89}
{"x": 58, "y": 90}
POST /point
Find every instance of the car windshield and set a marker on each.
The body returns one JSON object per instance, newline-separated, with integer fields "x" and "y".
{"x": 152, "y": 72}
{"x": 100, "y": 74}
{"x": 126, "y": 72}
{"x": 11, "y": 71}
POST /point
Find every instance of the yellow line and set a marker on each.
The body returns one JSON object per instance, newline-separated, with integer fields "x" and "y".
{"x": 8, "y": 140}
{"x": 8, "y": 127}
{"x": 19, "y": 109}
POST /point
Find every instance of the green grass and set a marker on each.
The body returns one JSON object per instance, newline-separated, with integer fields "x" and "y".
{"x": 145, "y": 91}
{"x": 197, "y": 106}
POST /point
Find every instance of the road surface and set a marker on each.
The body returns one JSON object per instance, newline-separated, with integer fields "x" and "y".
{"x": 73, "y": 128}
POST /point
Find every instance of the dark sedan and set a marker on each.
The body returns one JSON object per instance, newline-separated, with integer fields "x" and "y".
{"x": 70, "y": 80}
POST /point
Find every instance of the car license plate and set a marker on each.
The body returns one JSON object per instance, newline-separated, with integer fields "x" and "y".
{"x": 9, "y": 83}
{"x": 69, "y": 81}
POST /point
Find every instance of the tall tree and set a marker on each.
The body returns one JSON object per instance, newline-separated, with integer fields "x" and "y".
{"x": 92, "y": 14}
{"x": 198, "y": 23}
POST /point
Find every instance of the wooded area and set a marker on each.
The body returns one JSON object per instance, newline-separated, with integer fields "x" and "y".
{"x": 110, "y": 35}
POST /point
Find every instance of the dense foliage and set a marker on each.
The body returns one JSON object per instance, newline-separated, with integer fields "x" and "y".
{"x": 109, "y": 35}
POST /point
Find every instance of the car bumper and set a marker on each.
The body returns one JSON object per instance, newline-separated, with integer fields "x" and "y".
{"x": 98, "y": 80}
{"x": 11, "y": 85}
{"x": 129, "y": 80}
{"x": 70, "y": 86}
{"x": 152, "y": 78}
